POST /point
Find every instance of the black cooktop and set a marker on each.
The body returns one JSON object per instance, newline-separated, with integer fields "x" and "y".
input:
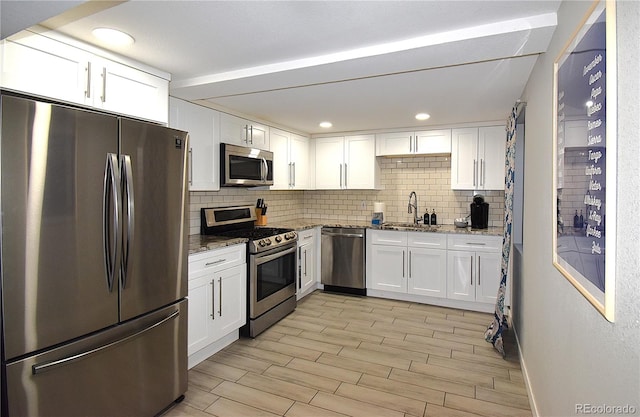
{"x": 255, "y": 233}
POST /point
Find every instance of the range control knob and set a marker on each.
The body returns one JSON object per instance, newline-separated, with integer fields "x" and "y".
{"x": 279, "y": 239}
{"x": 262, "y": 243}
{"x": 268, "y": 241}
{"x": 290, "y": 235}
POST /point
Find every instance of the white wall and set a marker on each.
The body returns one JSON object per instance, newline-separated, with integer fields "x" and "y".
{"x": 572, "y": 355}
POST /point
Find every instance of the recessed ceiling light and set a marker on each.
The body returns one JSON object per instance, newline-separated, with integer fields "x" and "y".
{"x": 326, "y": 125}
{"x": 113, "y": 36}
{"x": 422, "y": 116}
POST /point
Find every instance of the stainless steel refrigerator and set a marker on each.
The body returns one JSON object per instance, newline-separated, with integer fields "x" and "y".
{"x": 94, "y": 262}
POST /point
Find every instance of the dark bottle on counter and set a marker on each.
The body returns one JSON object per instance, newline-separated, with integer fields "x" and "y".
{"x": 425, "y": 219}
{"x": 433, "y": 217}
{"x": 581, "y": 220}
{"x": 576, "y": 221}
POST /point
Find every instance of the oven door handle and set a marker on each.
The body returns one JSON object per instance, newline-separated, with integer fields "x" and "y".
{"x": 266, "y": 258}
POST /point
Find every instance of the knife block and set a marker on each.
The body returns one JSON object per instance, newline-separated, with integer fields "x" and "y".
{"x": 260, "y": 219}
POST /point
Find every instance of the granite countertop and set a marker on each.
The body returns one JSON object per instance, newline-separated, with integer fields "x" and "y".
{"x": 301, "y": 224}
{"x": 202, "y": 243}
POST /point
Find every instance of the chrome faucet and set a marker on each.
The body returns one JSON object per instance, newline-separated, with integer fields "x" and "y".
{"x": 414, "y": 206}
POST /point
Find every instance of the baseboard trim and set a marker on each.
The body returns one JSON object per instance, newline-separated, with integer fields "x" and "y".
{"x": 525, "y": 375}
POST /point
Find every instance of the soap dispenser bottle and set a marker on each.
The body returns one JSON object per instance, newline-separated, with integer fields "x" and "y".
{"x": 433, "y": 217}
{"x": 426, "y": 217}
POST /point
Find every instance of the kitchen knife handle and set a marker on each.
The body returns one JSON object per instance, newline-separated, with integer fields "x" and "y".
{"x": 127, "y": 182}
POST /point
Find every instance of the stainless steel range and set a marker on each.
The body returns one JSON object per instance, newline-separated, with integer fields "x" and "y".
{"x": 272, "y": 263}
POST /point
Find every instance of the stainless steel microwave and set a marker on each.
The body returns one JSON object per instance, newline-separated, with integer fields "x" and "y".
{"x": 241, "y": 166}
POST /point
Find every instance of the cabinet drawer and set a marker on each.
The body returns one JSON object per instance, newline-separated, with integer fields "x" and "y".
{"x": 475, "y": 243}
{"x": 387, "y": 237}
{"x": 218, "y": 259}
{"x": 427, "y": 240}
{"x": 306, "y": 236}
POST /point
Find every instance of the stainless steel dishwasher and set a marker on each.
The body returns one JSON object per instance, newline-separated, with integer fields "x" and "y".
{"x": 342, "y": 268}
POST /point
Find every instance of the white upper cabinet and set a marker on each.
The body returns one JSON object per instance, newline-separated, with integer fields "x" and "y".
{"x": 243, "y": 132}
{"x": 347, "y": 162}
{"x": 290, "y": 160}
{"x": 203, "y": 125}
{"x": 477, "y": 158}
{"x": 414, "y": 143}
{"x": 45, "y": 67}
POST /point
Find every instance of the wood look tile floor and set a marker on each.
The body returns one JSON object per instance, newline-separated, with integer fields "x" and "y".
{"x": 340, "y": 355}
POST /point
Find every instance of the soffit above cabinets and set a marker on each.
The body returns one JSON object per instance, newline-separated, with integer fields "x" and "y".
{"x": 362, "y": 65}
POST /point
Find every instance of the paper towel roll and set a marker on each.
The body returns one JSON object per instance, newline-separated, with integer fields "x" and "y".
{"x": 378, "y": 207}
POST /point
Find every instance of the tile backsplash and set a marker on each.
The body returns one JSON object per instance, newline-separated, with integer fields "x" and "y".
{"x": 428, "y": 176}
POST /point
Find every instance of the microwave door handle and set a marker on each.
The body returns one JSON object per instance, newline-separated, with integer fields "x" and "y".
{"x": 266, "y": 170}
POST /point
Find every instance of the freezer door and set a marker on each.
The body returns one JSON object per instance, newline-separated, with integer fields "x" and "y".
{"x": 53, "y": 265}
{"x": 134, "y": 369}
{"x": 155, "y": 250}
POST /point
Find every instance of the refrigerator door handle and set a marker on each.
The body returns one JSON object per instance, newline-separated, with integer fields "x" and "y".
{"x": 111, "y": 232}
{"x": 46, "y": 366}
{"x": 127, "y": 188}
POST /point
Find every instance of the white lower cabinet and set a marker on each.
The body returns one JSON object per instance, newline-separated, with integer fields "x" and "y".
{"x": 217, "y": 300}
{"x": 473, "y": 267}
{"x": 307, "y": 262}
{"x": 407, "y": 262}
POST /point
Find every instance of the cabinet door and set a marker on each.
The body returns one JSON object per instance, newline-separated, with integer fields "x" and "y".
{"x": 360, "y": 162}
{"x": 258, "y": 135}
{"x": 464, "y": 159}
{"x": 203, "y": 125}
{"x": 487, "y": 276}
{"x": 395, "y": 143}
{"x": 306, "y": 270}
{"x": 200, "y": 322}
{"x": 125, "y": 90}
{"x": 329, "y": 163}
{"x": 491, "y": 154}
{"x": 233, "y": 130}
{"x": 282, "y": 168}
{"x": 230, "y": 300}
{"x": 47, "y": 68}
{"x": 433, "y": 142}
{"x": 427, "y": 272}
{"x": 299, "y": 158}
{"x": 389, "y": 268}
{"x": 460, "y": 279}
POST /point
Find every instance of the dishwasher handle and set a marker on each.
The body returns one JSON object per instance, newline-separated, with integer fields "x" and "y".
{"x": 358, "y": 235}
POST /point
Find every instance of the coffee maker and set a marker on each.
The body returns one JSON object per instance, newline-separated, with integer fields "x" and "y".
{"x": 479, "y": 212}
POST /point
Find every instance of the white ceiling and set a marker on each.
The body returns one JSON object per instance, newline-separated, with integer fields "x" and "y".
{"x": 360, "y": 64}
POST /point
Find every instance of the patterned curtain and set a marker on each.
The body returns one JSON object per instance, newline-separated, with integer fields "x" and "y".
{"x": 493, "y": 334}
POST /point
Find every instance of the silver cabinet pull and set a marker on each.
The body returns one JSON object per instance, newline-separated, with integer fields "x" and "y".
{"x": 305, "y": 262}
{"x": 104, "y": 85}
{"x": 475, "y": 167}
{"x": 403, "y": 262}
{"x": 220, "y": 298}
{"x": 294, "y": 173}
{"x": 345, "y": 176}
{"x": 340, "y": 175}
{"x": 410, "y": 143}
{"x": 482, "y": 172}
{"x": 471, "y": 268}
{"x": 87, "y": 92}
{"x": 213, "y": 297}
{"x": 479, "y": 270}
{"x": 246, "y": 134}
{"x": 219, "y": 261}
{"x": 251, "y": 129}
{"x": 409, "y": 264}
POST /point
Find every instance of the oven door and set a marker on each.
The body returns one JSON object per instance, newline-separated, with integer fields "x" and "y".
{"x": 272, "y": 279}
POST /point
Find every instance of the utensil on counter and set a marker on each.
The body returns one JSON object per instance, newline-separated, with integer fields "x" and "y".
{"x": 461, "y": 221}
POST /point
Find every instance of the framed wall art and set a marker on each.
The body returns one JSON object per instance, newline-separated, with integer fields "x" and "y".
{"x": 584, "y": 155}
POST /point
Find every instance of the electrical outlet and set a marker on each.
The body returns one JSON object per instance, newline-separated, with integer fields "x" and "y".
{"x": 363, "y": 205}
